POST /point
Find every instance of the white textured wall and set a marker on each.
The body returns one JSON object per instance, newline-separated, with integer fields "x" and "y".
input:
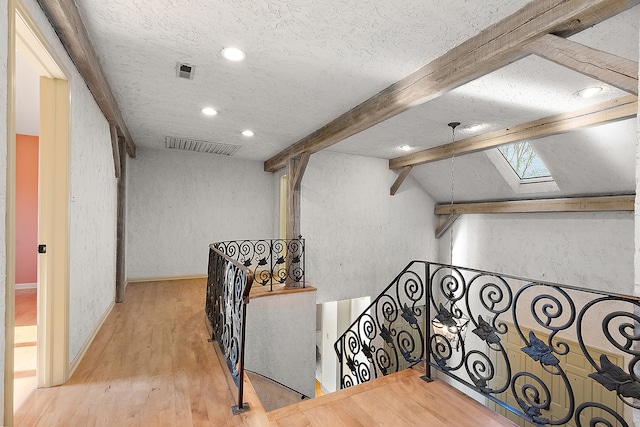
{"x": 281, "y": 338}
{"x": 92, "y": 213}
{"x": 93, "y": 218}
{"x": 4, "y": 23}
{"x": 358, "y": 237}
{"x": 180, "y": 202}
{"x": 590, "y": 250}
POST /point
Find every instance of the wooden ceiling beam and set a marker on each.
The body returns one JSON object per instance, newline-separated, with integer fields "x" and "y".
{"x": 66, "y": 21}
{"x": 398, "y": 182}
{"x": 577, "y": 204}
{"x": 493, "y": 48}
{"x": 605, "y": 112}
{"x": 611, "y": 69}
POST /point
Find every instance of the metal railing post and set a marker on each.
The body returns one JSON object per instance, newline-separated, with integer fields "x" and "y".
{"x": 242, "y": 406}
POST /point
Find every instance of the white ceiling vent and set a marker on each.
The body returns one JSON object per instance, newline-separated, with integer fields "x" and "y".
{"x": 185, "y": 71}
{"x": 198, "y": 146}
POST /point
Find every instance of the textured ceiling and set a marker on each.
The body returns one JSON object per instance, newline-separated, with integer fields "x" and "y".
{"x": 309, "y": 61}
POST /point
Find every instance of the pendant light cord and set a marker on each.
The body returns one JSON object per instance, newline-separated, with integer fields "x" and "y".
{"x": 453, "y": 126}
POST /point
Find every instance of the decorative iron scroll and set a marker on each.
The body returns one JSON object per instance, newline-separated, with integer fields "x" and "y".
{"x": 389, "y": 335}
{"x": 514, "y": 340}
{"x": 272, "y": 261}
{"x": 228, "y": 287}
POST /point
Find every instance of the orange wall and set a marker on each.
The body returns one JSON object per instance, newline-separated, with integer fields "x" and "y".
{"x": 26, "y": 208}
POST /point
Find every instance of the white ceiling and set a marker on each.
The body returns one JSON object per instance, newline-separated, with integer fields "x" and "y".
{"x": 308, "y": 61}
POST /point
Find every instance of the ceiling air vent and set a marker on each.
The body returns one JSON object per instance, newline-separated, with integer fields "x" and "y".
{"x": 185, "y": 71}
{"x": 198, "y": 146}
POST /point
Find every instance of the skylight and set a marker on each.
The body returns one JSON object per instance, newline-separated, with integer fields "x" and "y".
{"x": 524, "y": 161}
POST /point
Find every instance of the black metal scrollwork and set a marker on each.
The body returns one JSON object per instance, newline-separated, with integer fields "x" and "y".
{"x": 428, "y": 304}
{"x": 272, "y": 261}
{"x": 228, "y": 287}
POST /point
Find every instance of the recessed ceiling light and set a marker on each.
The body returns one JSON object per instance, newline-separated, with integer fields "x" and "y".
{"x": 473, "y": 127}
{"x": 233, "y": 54}
{"x": 247, "y": 132}
{"x": 588, "y": 92}
{"x": 404, "y": 147}
{"x": 209, "y": 111}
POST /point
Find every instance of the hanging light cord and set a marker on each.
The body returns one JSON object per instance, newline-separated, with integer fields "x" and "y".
{"x": 453, "y": 126}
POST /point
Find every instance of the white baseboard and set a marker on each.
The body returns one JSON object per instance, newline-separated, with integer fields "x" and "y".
{"x": 20, "y": 286}
{"x": 74, "y": 365}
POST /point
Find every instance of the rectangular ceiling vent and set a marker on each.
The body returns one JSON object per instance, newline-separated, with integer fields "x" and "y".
{"x": 198, "y": 146}
{"x": 185, "y": 71}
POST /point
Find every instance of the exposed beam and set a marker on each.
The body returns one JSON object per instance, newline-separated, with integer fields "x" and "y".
{"x": 121, "y": 226}
{"x": 401, "y": 177}
{"x": 300, "y": 168}
{"x": 578, "y": 204}
{"x": 297, "y": 167}
{"x": 491, "y": 49}
{"x": 66, "y": 21}
{"x": 611, "y": 69}
{"x": 115, "y": 147}
{"x": 446, "y": 225}
{"x": 605, "y": 112}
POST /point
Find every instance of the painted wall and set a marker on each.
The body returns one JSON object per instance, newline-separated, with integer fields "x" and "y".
{"x": 26, "y": 208}
{"x": 280, "y": 340}
{"x": 4, "y": 24}
{"x": 93, "y": 218}
{"x": 590, "y": 250}
{"x": 180, "y": 202}
{"x": 358, "y": 237}
{"x": 92, "y": 204}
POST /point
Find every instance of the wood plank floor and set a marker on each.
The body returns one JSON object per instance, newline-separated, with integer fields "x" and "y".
{"x": 24, "y": 349}
{"x": 151, "y": 365}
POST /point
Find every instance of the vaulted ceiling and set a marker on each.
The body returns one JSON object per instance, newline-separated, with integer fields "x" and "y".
{"x": 310, "y": 61}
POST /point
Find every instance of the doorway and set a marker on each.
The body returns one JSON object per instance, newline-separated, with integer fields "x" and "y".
{"x": 52, "y": 271}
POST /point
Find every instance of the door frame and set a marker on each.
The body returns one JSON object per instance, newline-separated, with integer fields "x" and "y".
{"x": 53, "y": 218}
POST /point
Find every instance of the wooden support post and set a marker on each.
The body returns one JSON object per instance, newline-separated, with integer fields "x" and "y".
{"x": 403, "y": 174}
{"x": 115, "y": 147}
{"x": 296, "y": 167}
{"x": 120, "y": 227}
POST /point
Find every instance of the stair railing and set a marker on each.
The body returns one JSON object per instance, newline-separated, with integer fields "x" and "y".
{"x": 228, "y": 287}
{"x": 271, "y": 260}
{"x": 517, "y": 342}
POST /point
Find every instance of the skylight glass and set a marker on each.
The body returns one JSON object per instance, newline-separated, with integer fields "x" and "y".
{"x": 524, "y": 161}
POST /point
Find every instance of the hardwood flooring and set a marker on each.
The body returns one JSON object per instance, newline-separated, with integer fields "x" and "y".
{"x": 151, "y": 365}
{"x": 24, "y": 349}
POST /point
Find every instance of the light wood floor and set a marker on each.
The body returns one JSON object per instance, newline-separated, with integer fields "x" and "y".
{"x": 25, "y": 351}
{"x": 151, "y": 365}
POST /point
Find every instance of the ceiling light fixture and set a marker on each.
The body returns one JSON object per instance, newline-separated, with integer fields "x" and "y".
{"x": 247, "y": 132}
{"x": 589, "y": 92}
{"x": 233, "y": 54}
{"x": 473, "y": 127}
{"x": 404, "y": 147}
{"x": 208, "y": 111}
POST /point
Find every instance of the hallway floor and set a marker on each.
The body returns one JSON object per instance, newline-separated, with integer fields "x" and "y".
{"x": 25, "y": 345}
{"x": 151, "y": 365}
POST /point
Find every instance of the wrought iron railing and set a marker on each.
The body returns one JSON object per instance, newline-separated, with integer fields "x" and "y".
{"x": 272, "y": 261}
{"x": 549, "y": 353}
{"x": 228, "y": 287}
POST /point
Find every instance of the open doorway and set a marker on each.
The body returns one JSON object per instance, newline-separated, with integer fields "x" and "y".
{"x": 49, "y": 292}
{"x": 26, "y": 260}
